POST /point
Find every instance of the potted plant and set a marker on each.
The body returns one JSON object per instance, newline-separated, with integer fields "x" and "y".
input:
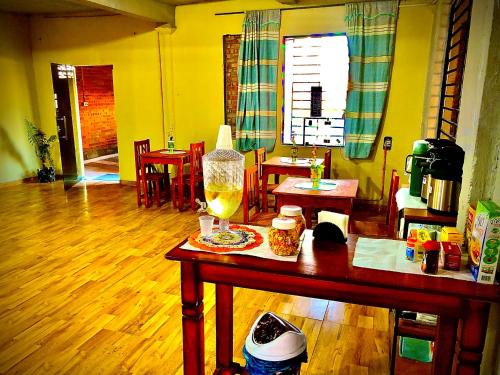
{"x": 316, "y": 170}
{"x": 42, "y": 144}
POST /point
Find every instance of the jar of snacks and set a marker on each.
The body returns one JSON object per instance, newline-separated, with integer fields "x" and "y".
{"x": 283, "y": 237}
{"x": 431, "y": 257}
{"x": 295, "y": 213}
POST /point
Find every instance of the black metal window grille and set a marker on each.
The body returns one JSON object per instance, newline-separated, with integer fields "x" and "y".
{"x": 454, "y": 64}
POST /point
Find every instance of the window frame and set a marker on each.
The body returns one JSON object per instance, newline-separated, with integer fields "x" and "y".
{"x": 283, "y": 71}
{"x": 461, "y": 60}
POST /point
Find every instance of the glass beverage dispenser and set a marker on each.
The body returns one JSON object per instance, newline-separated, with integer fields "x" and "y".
{"x": 223, "y": 171}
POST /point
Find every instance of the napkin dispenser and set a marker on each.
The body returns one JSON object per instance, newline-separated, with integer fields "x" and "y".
{"x": 331, "y": 227}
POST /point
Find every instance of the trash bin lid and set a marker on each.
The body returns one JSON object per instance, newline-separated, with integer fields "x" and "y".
{"x": 272, "y": 338}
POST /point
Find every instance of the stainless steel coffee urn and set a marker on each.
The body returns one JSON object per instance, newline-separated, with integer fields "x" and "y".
{"x": 444, "y": 178}
{"x": 443, "y": 195}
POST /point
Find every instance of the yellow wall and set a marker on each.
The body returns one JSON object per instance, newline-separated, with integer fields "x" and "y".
{"x": 131, "y": 46}
{"x": 17, "y": 157}
{"x": 196, "y": 65}
{"x": 192, "y": 61}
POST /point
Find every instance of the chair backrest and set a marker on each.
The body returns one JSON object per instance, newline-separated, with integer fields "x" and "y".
{"x": 250, "y": 192}
{"x": 328, "y": 163}
{"x": 196, "y": 152}
{"x": 392, "y": 206}
{"x": 140, "y": 147}
{"x": 260, "y": 157}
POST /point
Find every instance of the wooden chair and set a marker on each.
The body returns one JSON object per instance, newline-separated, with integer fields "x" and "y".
{"x": 251, "y": 198}
{"x": 155, "y": 180}
{"x": 384, "y": 229}
{"x": 328, "y": 164}
{"x": 402, "y": 326}
{"x": 194, "y": 180}
{"x": 260, "y": 157}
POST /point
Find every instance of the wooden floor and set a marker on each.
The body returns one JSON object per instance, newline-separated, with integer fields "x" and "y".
{"x": 85, "y": 290}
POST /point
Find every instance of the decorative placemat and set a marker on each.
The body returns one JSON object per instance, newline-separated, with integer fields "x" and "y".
{"x": 301, "y": 161}
{"x": 239, "y": 238}
{"x": 249, "y": 245}
{"x": 323, "y": 185}
{"x": 390, "y": 255}
{"x": 175, "y": 152}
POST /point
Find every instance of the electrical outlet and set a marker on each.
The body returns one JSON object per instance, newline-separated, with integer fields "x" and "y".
{"x": 387, "y": 143}
{"x": 85, "y": 104}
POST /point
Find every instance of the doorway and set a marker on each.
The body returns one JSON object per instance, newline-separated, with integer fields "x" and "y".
{"x": 63, "y": 85}
{"x": 96, "y": 104}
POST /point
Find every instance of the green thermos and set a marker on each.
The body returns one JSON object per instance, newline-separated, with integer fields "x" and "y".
{"x": 420, "y": 149}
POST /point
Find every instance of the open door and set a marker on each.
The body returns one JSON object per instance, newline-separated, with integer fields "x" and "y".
{"x": 61, "y": 74}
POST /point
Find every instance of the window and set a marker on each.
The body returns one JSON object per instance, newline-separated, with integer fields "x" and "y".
{"x": 315, "y": 89}
{"x": 456, "y": 50}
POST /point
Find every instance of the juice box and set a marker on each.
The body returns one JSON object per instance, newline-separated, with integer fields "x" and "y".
{"x": 485, "y": 242}
{"x": 451, "y": 234}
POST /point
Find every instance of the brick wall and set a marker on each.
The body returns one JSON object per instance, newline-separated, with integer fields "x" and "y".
{"x": 231, "y": 46}
{"x": 97, "y": 119}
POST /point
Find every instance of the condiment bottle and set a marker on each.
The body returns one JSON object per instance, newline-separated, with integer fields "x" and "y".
{"x": 410, "y": 248}
{"x": 295, "y": 213}
{"x": 283, "y": 238}
{"x": 430, "y": 260}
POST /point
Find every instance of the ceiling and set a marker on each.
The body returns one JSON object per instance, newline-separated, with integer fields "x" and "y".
{"x": 70, "y": 7}
{"x": 42, "y": 6}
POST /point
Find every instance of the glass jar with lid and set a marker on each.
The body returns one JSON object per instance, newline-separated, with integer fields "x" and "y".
{"x": 283, "y": 238}
{"x": 295, "y": 213}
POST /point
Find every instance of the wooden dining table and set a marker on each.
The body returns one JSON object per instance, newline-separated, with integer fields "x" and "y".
{"x": 279, "y": 165}
{"x": 325, "y": 270}
{"x": 340, "y": 198}
{"x": 165, "y": 157}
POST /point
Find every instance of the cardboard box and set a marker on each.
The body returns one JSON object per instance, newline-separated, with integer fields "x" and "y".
{"x": 485, "y": 242}
{"x": 471, "y": 214}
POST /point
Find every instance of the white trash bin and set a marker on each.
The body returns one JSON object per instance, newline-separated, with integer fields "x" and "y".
{"x": 274, "y": 347}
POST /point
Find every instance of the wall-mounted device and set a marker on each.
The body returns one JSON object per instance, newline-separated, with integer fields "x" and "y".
{"x": 387, "y": 143}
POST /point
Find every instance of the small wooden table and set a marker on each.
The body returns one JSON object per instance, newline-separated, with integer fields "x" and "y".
{"x": 178, "y": 158}
{"x": 339, "y": 199}
{"x": 413, "y": 210}
{"x": 276, "y": 166}
{"x": 325, "y": 271}
{"x": 424, "y": 216}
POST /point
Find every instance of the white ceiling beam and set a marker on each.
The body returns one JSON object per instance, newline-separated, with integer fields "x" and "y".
{"x": 146, "y": 9}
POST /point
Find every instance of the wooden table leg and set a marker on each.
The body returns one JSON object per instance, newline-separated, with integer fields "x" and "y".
{"x": 224, "y": 329}
{"x": 444, "y": 350}
{"x": 472, "y": 337}
{"x": 193, "y": 339}
{"x": 265, "y": 177}
{"x": 180, "y": 185}
{"x": 144, "y": 184}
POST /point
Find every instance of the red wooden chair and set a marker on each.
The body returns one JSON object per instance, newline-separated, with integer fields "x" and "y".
{"x": 327, "y": 163}
{"x": 155, "y": 180}
{"x": 260, "y": 157}
{"x": 251, "y": 199}
{"x": 384, "y": 229}
{"x": 194, "y": 180}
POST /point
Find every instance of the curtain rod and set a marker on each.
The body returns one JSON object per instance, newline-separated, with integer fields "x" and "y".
{"x": 314, "y": 7}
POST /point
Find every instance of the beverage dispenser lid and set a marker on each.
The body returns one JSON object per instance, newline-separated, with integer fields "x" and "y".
{"x": 224, "y": 141}
{"x": 420, "y": 147}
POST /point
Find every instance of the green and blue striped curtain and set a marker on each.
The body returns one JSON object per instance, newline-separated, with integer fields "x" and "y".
{"x": 371, "y": 30}
{"x": 257, "y": 74}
